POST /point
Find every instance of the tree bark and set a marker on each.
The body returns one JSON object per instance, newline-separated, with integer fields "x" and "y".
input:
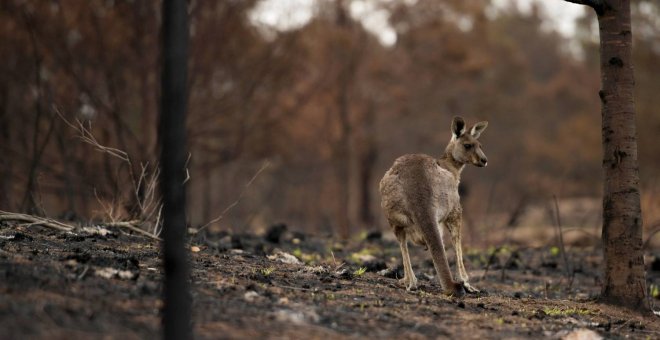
{"x": 625, "y": 282}
{"x": 176, "y": 295}
{"x": 624, "y": 279}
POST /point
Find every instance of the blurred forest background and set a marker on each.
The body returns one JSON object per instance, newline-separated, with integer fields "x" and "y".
{"x": 317, "y": 112}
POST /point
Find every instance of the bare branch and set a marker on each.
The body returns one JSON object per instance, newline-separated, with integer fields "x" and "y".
{"x": 131, "y": 225}
{"x": 590, "y": 3}
{"x": 597, "y": 5}
{"x": 33, "y": 220}
{"x": 560, "y": 237}
{"x": 87, "y": 137}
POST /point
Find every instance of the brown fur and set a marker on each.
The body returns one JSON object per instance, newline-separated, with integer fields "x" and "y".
{"x": 420, "y": 194}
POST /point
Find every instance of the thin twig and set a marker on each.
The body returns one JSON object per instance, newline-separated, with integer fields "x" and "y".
{"x": 560, "y": 237}
{"x": 131, "y": 225}
{"x": 240, "y": 196}
{"x": 186, "y": 168}
{"x": 82, "y": 275}
{"x": 33, "y": 220}
{"x": 87, "y": 136}
{"x": 157, "y": 226}
{"x": 491, "y": 259}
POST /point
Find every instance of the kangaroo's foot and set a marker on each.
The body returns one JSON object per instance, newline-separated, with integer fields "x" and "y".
{"x": 409, "y": 282}
{"x": 457, "y": 290}
{"x": 470, "y": 289}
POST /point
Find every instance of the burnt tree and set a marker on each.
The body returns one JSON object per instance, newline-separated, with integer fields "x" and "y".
{"x": 171, "y": 132}
{"x": 624, "y": 279}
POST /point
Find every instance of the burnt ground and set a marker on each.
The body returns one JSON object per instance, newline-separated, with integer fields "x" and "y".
{"x": 106, "y": 283}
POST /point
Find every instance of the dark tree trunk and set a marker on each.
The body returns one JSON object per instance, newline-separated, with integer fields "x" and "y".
{"x": 367, "y": 163}
{"x": 624, "y": 279}
{"x": 171, "y": 132}
{"x": 625, "y": 283}
{"x": 343, "y": 151}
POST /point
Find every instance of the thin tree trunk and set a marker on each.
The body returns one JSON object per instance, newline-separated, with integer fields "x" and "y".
{"x": 367, "y": 162}
{"x": 343, "y": 162}
{"x": 343, "y": 146}
{"x": 176, "y": 296}
{"x": 625, "y": 283}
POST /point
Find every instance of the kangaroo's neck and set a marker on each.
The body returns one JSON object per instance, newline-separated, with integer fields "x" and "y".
{"x": 447, "y": 161}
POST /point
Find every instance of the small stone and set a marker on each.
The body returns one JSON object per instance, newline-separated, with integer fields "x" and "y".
{"x": 195, "y": 249}
{"x": 582, "y": 334}
{"x": 284, "y": 258}
{"x": 251, "y": 296}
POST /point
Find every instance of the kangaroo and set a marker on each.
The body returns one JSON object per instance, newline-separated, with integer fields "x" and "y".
{"x": 420, "y": 194}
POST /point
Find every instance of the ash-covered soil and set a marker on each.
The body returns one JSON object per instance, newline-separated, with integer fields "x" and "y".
{"x": 106, "y": 283}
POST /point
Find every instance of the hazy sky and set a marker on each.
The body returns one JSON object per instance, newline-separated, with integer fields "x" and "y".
{"x": 290, "y": 14}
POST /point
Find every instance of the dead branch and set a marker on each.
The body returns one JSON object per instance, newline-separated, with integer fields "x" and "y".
{"x": 148, "y": 202}
{"x": 491, "y": 260}
{"x": 560, "y": 237}
{"x": 47, "y": 222}
{"x": 86, "y": 136}
{"x": 34, "y": 220}
{"x": 597, "y": 5}
{"x": 133, "y": 226}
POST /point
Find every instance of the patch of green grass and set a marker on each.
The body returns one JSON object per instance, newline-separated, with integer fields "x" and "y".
{"x": 360, "y": 271}
{"x": 554, "y": 311}
{"x": 358, "y": 257}
{"x": 267, "y": 271}
{"x": 307, "y": 258}
{"x": 655, "y": 291}
{"x": 362, "y": 235}
{"x": 554, "y": 251}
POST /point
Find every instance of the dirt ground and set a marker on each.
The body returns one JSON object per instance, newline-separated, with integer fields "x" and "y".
{"x": 106, "y": 283}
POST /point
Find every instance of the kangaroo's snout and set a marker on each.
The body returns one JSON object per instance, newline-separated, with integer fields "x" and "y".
{"x": 483, "y": 161}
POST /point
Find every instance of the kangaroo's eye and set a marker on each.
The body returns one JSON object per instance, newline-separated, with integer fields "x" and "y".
{"x": 467, "y": 146}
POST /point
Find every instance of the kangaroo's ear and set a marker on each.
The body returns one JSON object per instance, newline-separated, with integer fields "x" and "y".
{"x": 478, "y": 128}
{"x": 457, "y": 127}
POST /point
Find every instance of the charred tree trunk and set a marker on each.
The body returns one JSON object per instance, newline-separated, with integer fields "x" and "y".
{"x": 367, "y": 163}
{"x": 343, "y": 151}
{"x": 171, "y": 131}
{"x": 624, "y": 279}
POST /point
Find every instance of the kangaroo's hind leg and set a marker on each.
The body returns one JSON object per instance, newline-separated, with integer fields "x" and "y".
{"x": 409, "y": 279}
{"x": 454, "y": 224}
{"x": 432, "y": 235}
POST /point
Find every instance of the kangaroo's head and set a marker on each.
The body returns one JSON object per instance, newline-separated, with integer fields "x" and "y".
{"x": 464, "y": 146}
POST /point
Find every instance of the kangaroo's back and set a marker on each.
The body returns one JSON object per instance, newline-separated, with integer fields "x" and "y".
{"x": 417, "y": 182}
